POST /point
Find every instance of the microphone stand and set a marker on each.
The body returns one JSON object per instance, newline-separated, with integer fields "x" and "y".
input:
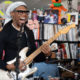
{"x": 19, "y": 36}
{"x": 75, "y": 74}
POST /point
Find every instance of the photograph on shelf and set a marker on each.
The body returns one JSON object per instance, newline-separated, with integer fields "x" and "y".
{"x": 51, "y": 16}
{"x": 74, "y": 17}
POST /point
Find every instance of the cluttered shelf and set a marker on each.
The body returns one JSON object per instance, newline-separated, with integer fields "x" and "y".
{"x": 57, "y": 41}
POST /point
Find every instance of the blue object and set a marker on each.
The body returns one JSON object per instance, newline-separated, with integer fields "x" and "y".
{"x": 45, "y": 70}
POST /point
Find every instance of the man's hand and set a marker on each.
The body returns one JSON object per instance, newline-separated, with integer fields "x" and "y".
{"x": 10, "y": 66}
{"x": 21, "y": 67}
{"x": 46, "y": 49}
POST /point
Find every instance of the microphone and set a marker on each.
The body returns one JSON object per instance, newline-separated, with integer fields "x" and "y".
{"x": 22, "y": 28}
{"x": 19, "y": 35}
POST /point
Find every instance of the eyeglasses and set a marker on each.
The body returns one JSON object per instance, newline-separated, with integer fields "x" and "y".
{"x": 21, "y": 11}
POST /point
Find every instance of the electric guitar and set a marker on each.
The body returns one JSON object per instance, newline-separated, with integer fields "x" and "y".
{"x": 29, "y": 59}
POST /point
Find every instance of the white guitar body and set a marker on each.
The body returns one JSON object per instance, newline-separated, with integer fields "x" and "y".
{"x": 21, "y": 75}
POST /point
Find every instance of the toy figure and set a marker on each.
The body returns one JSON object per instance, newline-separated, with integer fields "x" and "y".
{"x": 56, "y": 5}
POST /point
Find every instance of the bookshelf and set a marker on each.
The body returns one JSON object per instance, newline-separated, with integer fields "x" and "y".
{"x": 70, "y": 45}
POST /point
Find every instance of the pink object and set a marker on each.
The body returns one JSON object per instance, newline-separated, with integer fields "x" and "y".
{"x": 3, "y": 55}
{"x": 32, "y": 24}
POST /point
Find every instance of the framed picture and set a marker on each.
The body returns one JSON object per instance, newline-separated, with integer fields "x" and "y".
{"x": 74, "y": 17}
{"x": 51, "y": 16}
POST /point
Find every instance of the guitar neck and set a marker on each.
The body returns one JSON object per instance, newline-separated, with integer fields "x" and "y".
{"x": 53, "y": 38}
{"x": 32, "y": 56}
{"x": 38, "y": 51}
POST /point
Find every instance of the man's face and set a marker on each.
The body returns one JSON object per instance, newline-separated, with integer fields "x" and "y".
{"x": 20, "y": 15}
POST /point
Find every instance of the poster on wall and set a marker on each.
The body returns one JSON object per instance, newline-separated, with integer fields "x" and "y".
{"x": 51, "y": 16}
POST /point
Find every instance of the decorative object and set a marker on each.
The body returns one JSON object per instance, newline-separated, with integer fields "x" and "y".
{"x": 56, "y": 5}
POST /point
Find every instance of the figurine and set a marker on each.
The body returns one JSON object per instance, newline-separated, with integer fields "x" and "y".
{"x": 56, "y": 5}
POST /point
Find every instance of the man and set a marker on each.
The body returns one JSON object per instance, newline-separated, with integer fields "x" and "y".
{"x": 17, "y": 14}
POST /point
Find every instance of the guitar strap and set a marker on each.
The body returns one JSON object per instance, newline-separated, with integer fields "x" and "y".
{"x": 28, "y": 43}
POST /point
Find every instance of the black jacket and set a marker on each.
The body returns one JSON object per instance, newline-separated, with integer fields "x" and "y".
{"x": 9, "y": 40}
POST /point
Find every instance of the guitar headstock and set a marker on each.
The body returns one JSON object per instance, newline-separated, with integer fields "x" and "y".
{"x": 66, "y": 29}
